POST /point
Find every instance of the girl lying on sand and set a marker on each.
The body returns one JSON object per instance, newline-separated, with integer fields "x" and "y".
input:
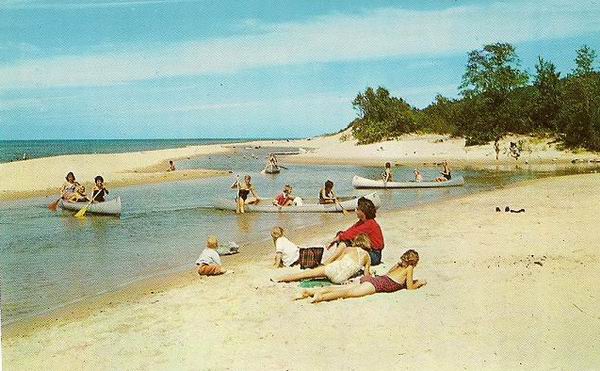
{"x": 346, "y": 264}
{"x": 399, "y": 276}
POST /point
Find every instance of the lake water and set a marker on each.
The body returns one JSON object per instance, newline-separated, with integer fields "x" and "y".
{"x": 48, "y": 260}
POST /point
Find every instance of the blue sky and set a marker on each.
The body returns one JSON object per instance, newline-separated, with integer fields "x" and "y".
{"x": 188, "y": 69}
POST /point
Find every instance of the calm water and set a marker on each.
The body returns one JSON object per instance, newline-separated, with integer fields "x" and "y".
{"x": 48, "y": 260}
{"x": 12, "y": 150}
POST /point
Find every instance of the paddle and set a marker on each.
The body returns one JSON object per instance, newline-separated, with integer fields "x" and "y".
{"x": 283, "y": 167}
{"x": 344, "y": 211}
{"x": 53, "y": 206}
{"x": 81, "y": 213}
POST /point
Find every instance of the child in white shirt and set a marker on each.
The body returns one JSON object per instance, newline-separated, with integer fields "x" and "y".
{"x": 287, "y": 253}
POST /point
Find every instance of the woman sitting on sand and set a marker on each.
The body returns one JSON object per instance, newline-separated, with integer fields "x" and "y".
{"x": 244, "y": 189}
{"x": 345, "y": 264}
{"x": 366, "y": 223}
{"x": 398, "y": 277}
{"x": 69, "y": 188}
{"x": 446, "y": 174}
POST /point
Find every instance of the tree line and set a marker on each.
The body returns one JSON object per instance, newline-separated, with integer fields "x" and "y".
{"x": 496, "y": 97}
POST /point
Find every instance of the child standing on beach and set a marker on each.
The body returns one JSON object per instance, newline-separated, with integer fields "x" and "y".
{"x": 287, "y": 253}
{"x": 209, "y": 262}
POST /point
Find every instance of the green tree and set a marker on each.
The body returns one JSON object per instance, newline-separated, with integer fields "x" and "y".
{"x": 381, "y": 116}
{"x": 584, "y": 62}
{"x": 548, "y": 95}
{"x": 491, "y": 77}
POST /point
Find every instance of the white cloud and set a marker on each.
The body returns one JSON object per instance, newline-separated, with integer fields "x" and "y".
{"x": 382, "y": 33}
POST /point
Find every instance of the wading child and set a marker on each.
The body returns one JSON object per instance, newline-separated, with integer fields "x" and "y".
{"x": 287, "y": 253}
{"x": 209, "y": 262}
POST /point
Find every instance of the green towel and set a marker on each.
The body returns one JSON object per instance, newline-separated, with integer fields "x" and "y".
{"x": 308, "y": 284}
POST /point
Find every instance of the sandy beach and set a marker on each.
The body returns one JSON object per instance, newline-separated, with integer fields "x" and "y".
{"x": 429, "y": 150}
{"x": 43, "y": 176}
{"x": 504, "y": 291}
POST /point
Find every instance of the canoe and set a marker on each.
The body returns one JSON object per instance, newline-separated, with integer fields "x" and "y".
{"x": 360, "y": 182}
{"x": 111, "y": 207}
{"x": 272, "y": 169}
{"x": 309, "y": 206}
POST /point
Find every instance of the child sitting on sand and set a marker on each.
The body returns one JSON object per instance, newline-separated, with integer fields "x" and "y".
{"x": 398, "y": 277}
{"x": 209, "y": 262}
{"x": 287, "y": 253}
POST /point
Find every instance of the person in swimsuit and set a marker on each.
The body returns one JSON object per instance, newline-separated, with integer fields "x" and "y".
{"x": 387, "y": 173}
{"x": 326, "y": 195}
{"x": 69, "y": 188}
{"x": 446, "y": 173}
{"x": 345, "y": 265}
{"x": 171, "y": 166}
{"x": 244, "y": 189}
{"x": 400, "y": 276}
{"x": 99, "y": 192}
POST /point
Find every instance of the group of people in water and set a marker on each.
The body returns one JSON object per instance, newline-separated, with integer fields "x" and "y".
{"x": 446, "y": 174}
{"x": 245, "y": 188}
{"x": 355, "y": 251}
{"x": 73, "y": 191}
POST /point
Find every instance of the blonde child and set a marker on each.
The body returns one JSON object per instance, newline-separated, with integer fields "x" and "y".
{"x": 209, "y": 262}
{"x": 400, "y": 276}
{"x": 287, "y": 253}
{"x": 79, "y": 195}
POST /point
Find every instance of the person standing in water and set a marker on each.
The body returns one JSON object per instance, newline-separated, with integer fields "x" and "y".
{"x": 244, "y": 189}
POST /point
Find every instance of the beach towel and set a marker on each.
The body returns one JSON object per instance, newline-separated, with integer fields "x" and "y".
{"x": 310, "y": 257}
{"x": 308, "y": 284}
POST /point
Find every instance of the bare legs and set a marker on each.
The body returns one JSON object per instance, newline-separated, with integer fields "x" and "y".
{"x": 309, "y": 273}
{"x": 337, "y": 292}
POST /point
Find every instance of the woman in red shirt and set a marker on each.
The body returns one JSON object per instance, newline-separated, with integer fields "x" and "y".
{"x": 367, "y": 224}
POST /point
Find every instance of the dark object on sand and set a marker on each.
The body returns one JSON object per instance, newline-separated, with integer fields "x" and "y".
{"x": 508, "y": 209}
{"x": 498, "y": 209}
{"x": 310, "y": 257}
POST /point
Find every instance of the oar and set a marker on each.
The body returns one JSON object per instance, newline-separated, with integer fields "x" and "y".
{"x": 81, "y": 213}
{"x": 283, "y": 167}
{"x": 344, "y": 211}
{"x": 53, "y": 206}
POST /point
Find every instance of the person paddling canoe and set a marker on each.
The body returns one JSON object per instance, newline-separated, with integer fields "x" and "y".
{"x": 69, "y": 188}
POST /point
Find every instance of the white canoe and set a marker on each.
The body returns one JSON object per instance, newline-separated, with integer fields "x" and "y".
{"x": 111, "y": 207}
{"x": 265, "y": 206}
{"x": 360, "y": 182}
{"x": 272, "y": 169}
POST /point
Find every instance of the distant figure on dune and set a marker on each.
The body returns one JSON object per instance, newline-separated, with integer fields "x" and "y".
{"x": 400, "y": 276}
{"x": 171, "y": 166}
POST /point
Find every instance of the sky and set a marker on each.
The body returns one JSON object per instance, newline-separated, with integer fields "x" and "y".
{"x": 230, "y": 69}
